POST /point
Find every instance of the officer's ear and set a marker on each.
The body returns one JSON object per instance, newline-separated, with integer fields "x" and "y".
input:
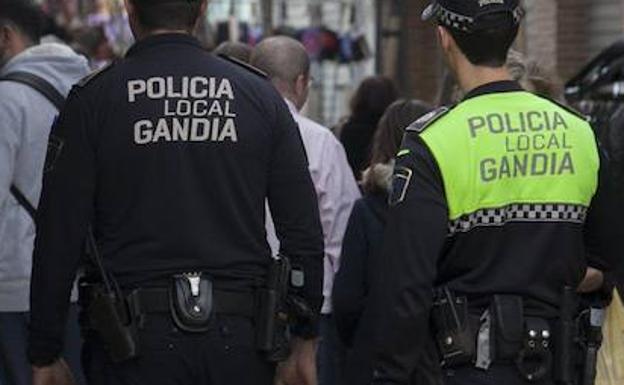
{"x": 445, "y": 38}
{"x": 134, "y": 25}
{"x": 5, "y": 34}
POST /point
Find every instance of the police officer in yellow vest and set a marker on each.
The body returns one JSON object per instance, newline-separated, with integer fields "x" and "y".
{"x": 499, "y": 207}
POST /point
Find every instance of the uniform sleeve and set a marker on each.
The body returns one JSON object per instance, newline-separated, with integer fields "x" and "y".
{"x": 350, "y": 287}
{"x": 601, "y": 229}
{"x": 64, "y": 214}
{"x": 11, "y": 121}
{"x": 293, "y": 204}
{"x": 414, "y": 238}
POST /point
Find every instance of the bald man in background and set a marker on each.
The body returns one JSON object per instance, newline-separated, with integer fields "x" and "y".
{"x": 287, "y": 64}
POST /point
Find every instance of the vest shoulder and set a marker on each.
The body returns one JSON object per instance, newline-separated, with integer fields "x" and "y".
{"x": 567, "y": 108}
{"x": 255, "y": 70}
{"x": 428, "y": 120}
{"x": 94, "y": 75}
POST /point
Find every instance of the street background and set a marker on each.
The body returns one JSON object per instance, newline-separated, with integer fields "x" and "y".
{"x": 562, "y": 35}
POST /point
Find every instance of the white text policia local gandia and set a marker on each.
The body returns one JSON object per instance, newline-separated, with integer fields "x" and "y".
{"x": 535, "y": 144}
{"x": 195, "y": 109}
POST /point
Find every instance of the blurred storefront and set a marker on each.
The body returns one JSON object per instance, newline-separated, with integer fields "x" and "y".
{"x": 339, "y": 34}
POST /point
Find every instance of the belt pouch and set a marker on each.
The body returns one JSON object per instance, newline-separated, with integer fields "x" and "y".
{"x": 508, "y": 326}
{"x": 455, "y": 330}
{"x": 191, "y": 302}
{"x": 109, "y": 317}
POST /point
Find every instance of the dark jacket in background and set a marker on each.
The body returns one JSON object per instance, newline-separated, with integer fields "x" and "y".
{"x": 355, "y": 281}
{"x": 356, "y": 136}
{"x": 612, "y": 139}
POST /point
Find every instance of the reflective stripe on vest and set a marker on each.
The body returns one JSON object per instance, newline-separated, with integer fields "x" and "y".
{"x": 514, "y": 155}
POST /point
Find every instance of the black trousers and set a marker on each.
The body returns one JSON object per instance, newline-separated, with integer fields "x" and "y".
{"x": 495, "y": 375}
{"x": 224, "y": 355}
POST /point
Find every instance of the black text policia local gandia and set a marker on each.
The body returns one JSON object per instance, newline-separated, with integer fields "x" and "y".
{"x": 536, "y": 144}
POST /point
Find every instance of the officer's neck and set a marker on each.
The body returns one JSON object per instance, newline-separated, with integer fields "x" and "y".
{"x": 471, "y": 77}
{"x": 145, "y": 34}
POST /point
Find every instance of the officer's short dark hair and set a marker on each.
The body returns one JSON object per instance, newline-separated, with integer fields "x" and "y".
{"x": 25, "y": 15}
{"x": 171, "y": 15}
{"x": 487, "y": 47}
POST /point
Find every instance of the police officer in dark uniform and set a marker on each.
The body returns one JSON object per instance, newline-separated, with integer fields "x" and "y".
{"x": 169, "y": 156}
{"x": 500, "y": 204}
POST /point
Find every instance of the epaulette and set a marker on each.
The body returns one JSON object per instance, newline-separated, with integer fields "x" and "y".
{"x": 246, "y": 66}
{"x": 570, "y": 109}
{"x": 87, "y": 79}
{"x": 427, "y": 120}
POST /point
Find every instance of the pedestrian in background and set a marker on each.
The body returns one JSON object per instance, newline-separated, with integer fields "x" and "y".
{"x": 286, "y": 62}
{"x": 532, "y": 76}
{"x": 26, "y": 116}
{"x": 368, "y": 104}
{"x": 234, "y": 49}
{"x": 361, "y": 249}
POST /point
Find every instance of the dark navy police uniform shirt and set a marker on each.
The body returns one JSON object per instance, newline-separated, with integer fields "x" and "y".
{"x": 171, "y": 155}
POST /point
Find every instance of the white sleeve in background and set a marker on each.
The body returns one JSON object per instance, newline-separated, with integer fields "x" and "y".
{"x": 337, "y": 192}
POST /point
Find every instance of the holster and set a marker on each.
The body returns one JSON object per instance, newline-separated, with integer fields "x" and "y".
{"x": 108, "y": 315}
{"x": 272, "y": 314}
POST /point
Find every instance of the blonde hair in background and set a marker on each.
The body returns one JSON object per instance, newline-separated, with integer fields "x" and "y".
{"x": 610, "y": 368}
{"x": 533, "y": 77}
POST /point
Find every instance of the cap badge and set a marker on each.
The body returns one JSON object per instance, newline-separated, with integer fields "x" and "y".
{"x": 483, "y": 3}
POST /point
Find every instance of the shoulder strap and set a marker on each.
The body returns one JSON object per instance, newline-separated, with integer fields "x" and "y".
{"x": 23, "y": 201}
{"x": 428, "y": 119}
{"x": 56, "y": 98}
{"x": 39, "y": 84}
{"x": 255, "y": 70}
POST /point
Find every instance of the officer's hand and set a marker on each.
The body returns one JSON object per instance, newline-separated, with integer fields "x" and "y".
{"x": 56, "y": 374}
{"x": 300, "y": 367}
{"x": 593, "y": 281}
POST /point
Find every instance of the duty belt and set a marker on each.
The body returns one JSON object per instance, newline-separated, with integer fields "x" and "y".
{"x": 157, "y": 300}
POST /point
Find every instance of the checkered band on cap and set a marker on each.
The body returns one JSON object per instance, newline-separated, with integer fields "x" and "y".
{"x": 519, "y": 213}
{"x": 454, "y": 20}
{"x": 466, "y": 23}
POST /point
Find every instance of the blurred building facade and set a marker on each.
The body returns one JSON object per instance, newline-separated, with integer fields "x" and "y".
{"x": 563, "y": 35}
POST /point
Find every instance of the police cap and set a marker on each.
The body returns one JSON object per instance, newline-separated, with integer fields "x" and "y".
{"x": 469, "y": 15}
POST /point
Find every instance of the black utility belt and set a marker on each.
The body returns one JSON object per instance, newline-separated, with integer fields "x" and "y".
{"x": 564, "y": 349}
{"x": 501, "y": 334}
{"x": 158, "y": 300}
{"x": 191, "y": 301}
